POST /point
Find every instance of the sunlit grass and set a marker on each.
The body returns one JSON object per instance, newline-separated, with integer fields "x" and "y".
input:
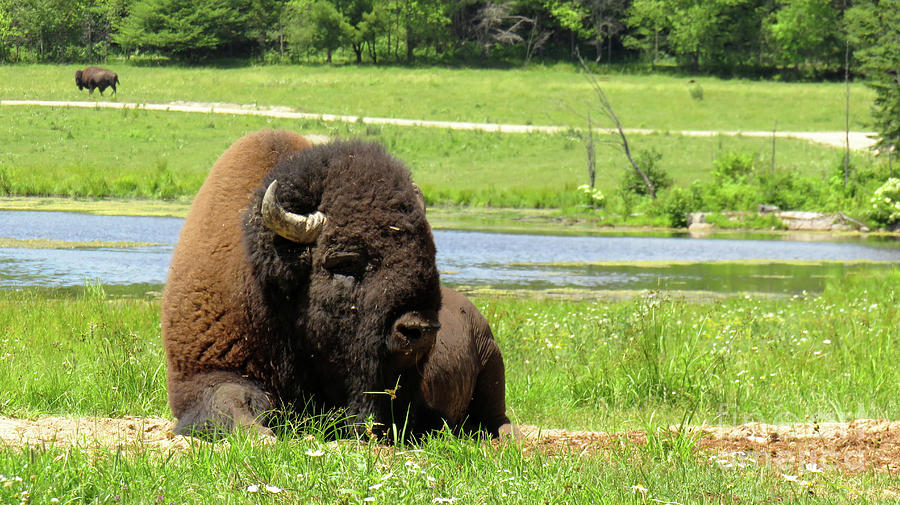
{"x": 538, "y": 95}
{"x": 167, "y": 155}
{"x": 644, "y": 363}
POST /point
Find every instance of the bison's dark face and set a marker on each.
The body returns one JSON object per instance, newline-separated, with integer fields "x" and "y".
{"x": 346, "y": 261}
{"x": 78, "y": 80}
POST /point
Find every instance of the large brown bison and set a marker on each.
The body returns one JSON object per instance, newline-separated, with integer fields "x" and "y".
{"x": 319, "y": 286}
{"x": 96, "y": 77}
{"x": 307, "y": 274}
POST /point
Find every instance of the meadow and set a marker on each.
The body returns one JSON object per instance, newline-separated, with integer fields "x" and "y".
{"x": 644, "y": 363}
{"x": 166, "y": 155}
{"x": 538, "y": 95}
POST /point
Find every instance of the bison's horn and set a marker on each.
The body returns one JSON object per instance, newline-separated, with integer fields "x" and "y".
{"x": 303, "y": 229}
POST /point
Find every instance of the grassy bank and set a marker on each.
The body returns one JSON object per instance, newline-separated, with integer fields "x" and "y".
{"x": 638, "y": 364}
{"x": 538, "y": 95}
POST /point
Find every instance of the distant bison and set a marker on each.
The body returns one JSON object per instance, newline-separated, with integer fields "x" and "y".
{"x": 464, "y": 383}
{"x": 96, "y": 77}
{"x": 302, "y": 274}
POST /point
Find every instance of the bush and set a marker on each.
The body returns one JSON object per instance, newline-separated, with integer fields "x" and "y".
{"x": 733, "y": 167}
{"x": 678, "y": 204}
{"x": 886, "y": 203}
{"x": 648, "y": 162}
{"x": 592, "y": 196}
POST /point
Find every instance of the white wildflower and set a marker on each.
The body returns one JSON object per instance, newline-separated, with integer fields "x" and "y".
{"x": 315, "y": 453}
{"x": 252, "y": 488}
{"x": 273, "y": 489}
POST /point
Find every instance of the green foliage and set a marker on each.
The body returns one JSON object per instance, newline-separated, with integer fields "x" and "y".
{"x": 316, "y": 25}
{"x": 733, "y": 167}
{"x": 593, "y": 197}
{"x": 182, "y": 29}
{"x": 875, "y": 31}
{"x": 678, "y": 203}
{"x": 648, "y": 161}
{"x": 803, "y": 31}
{"x": 886, "y": 203}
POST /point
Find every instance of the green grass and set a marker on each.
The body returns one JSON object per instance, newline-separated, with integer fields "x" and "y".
{"x": 440, "y": 470}
{"x": 538, "y": 95}
{"x": 574, "y": 364}
{"x": 643, "y": 363}
{"x": 145, "y": 154}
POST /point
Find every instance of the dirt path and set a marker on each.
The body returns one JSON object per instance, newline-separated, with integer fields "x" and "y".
{"x": 857, "y": 140}
{"x": 863, "y": 444}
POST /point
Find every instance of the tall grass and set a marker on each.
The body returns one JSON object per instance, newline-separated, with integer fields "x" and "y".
{"x": 581, "y": 364}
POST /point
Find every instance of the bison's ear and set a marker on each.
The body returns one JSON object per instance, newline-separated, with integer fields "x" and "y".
{"x": 420, "y": 196}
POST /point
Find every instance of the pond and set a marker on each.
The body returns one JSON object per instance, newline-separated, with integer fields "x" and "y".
{"x": 471, "y": 259}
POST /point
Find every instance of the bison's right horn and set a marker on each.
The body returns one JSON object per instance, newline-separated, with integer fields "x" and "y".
{"x": 303, "y": 229}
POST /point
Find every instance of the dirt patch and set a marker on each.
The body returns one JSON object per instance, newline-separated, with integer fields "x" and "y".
{"x": 863, "y": 444}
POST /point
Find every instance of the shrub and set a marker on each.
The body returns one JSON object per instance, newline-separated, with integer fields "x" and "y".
{"x": 733, "y": 167}
{"x": 678, "y": 204}
{"x": 649, "y": 163}
{"x": 886, "y": 203}
{"x": 592, "y": 196}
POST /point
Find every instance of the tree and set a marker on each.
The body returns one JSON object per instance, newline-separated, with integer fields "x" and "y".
{"x": 317, "y": 25}
{"x": 183, "y": 29}
{"x": 647, "y": 20}
{"x": 804, "y": 31}
{"x": 874, "y": 28}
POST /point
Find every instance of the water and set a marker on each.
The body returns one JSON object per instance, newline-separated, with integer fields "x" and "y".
{"x": 465, "y": 258}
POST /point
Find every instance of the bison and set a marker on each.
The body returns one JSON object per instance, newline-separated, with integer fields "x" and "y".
{"x": 307, "y": 274}
{"x": 301, "y": 273}
{"x": 96, "y": 77}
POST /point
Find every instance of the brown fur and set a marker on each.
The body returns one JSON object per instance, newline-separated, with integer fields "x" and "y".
{"x": 463, "y": 384}
{"x": 96, "y": 77}
{"x": 252, "y": 321}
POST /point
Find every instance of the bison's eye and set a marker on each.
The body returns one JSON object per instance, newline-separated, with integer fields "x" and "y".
{"x": 351, "y": 264}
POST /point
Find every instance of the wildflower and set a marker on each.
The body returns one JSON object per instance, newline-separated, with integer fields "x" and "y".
{"x": 814, "y": 468}
{"x": 315, "y": 453}
{"x": 375, "y": 487}
{"x": 252, "y": 488}
{"x": 439, "y": 499}
{"x": 637, "y": 488}
{"x": 369, "y": 499}
{"x": 273, "y": 489}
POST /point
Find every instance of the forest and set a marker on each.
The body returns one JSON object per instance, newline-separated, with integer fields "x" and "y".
{"x": 806, "y": 39}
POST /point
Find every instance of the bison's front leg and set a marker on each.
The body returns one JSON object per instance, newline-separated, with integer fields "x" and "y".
{"x": 227, "y": 404}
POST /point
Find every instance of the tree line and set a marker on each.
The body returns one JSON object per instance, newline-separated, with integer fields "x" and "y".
{"x": 806, "y": 36}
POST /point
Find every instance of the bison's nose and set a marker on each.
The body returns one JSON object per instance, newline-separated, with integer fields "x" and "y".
{"x": 414, "y": 327}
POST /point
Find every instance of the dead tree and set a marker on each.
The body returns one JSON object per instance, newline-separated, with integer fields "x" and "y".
{"x": 607, "y": 109}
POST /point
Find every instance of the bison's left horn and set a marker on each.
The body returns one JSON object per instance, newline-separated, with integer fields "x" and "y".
{"x": 303, "y": 229}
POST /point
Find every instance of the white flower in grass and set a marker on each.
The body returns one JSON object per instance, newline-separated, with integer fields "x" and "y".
{"x": 375, "y": 487}
{"x": 439, "y": 499}
{"x": 315, "y": 453}
{"x": 273, "y": 489}
{"x": 369, "y": 499}
{"x": 252, "y": 488}
{"x": 814, "y": 468}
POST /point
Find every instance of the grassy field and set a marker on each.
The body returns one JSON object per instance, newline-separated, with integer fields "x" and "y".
{"x": 583, "y": 364}
{"x": 146, "y": 154}
{"x": 538, "y": 95}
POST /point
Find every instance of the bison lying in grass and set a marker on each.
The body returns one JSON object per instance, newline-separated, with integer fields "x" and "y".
{"x": 96, "y": 77}
{"x": 307, "y": 274}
